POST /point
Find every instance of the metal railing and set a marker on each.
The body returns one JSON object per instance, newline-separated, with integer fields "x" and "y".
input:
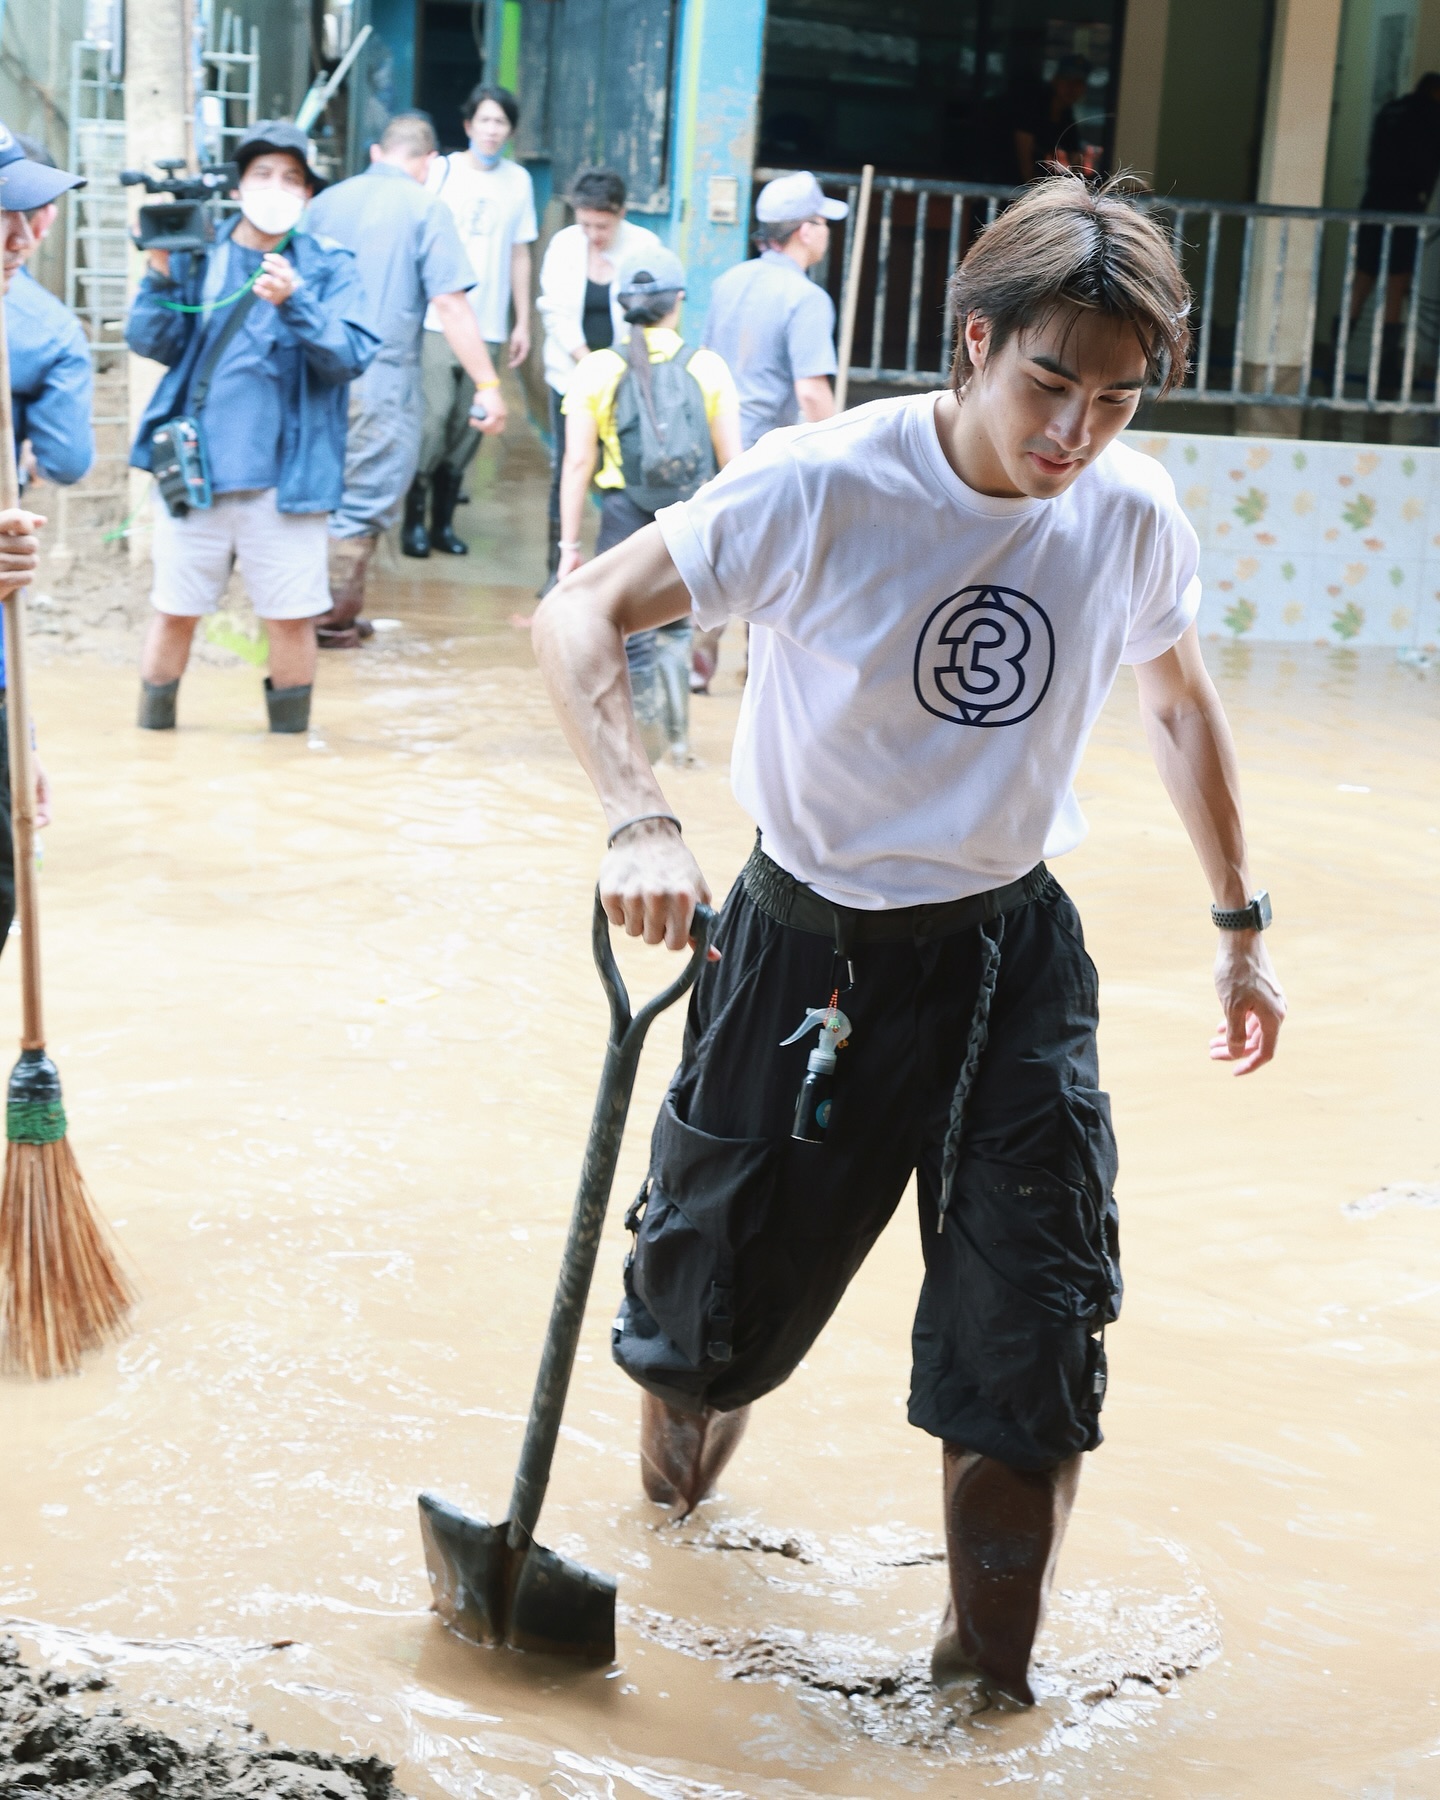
{"x": 1286, "y": 311}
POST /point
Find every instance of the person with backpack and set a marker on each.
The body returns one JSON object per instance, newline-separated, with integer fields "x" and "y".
{"x": 662, "y": 419}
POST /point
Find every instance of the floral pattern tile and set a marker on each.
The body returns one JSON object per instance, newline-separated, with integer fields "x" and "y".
{"x": 1329, "y": 543}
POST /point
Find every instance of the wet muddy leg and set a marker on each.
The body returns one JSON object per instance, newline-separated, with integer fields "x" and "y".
{"x": 1003, "y": 1529}
{"x": 682, "y": 1454}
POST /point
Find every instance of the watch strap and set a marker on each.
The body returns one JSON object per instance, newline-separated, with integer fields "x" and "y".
{"x": 1255, "y": 915}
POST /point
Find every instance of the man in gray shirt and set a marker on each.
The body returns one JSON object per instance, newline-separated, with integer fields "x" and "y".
{"x": 774, "y": 327}
{"x": 775, "y": 330}
{"x": 410, "y": 256}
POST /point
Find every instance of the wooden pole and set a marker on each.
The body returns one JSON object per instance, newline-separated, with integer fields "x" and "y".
{"x": 22, "y": 763}
{"x": 851, "y": 298}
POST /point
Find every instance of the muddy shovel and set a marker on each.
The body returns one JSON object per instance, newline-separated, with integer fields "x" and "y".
{"x": 493, "y": 1584}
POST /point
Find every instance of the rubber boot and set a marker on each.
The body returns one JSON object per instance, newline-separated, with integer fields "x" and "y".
{"x": 445, "y": 487}
{"x": 157, "y": 705}
{"x": 342, "y": 628}
{"x": 1003, "y": 1528}
{"x": 289, "y": 708}
{"x": 682, "y": 1454}
{"x": 414, "y": 539}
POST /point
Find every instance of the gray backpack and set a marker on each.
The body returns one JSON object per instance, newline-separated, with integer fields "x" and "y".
{"x": 665, "y": 448}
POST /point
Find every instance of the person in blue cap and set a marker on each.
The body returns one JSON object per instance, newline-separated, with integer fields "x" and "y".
{"x": 261, "y": 334}
{"x": 51, "y": 381}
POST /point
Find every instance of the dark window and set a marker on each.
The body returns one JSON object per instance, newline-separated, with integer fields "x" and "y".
{"x": 926, "y": 90}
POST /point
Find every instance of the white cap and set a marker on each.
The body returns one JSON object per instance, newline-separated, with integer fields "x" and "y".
{"x": 797, "y": 196}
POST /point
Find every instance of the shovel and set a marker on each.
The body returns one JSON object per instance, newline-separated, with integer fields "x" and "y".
{"x": 493, "y": 1584}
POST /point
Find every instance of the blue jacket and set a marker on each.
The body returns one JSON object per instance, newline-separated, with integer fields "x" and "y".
{"x": 326, "y": 344}
{"x": 51, "y": 384}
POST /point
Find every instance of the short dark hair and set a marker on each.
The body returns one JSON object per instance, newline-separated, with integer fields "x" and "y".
{"x": 598, "y": 190}
{"x": 1428, "y": 84}
{"x": 776, "y": 233}
{"x": 502, "y": 97}
{"x": 1067, "y": 246}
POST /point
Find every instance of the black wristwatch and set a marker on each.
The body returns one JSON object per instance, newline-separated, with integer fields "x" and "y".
{"x": 1254, "y": 917}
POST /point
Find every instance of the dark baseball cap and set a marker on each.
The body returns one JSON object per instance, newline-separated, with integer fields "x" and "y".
{"x": 272, "y": 135}
{"x": 24, "y": 184}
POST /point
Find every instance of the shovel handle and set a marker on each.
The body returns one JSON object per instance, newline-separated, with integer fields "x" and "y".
{"x": 587, "y": 1220}
{"x": 621, "y": 1022}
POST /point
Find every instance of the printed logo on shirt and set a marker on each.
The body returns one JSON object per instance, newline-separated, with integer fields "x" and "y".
{"x": 985, "y": 657}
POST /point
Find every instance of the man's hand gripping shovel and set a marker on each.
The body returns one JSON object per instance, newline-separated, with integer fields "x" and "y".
{"x": 493, "y": 1584}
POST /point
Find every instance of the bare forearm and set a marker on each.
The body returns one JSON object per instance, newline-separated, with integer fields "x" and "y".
{"x": 581, "y": 651}
{"x": 462, "y": 334}
{"x": 1194, "y": 751}
{"x": 520, "y": 283}
{"x": 815, "y": 398}
{"x": 574, "y": 480}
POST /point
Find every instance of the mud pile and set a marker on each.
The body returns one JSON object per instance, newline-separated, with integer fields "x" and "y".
{"x": 52, "y": 1744}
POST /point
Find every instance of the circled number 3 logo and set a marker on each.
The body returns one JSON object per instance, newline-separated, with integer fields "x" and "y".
{"x": 985, "y": 657}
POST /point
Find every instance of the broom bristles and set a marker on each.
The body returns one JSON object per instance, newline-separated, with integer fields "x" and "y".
{"x": 62, "y": 1290}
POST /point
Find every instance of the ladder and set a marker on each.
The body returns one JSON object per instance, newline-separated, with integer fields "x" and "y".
{"x": 229, "y": 99}
{"x": 97, "y": 254}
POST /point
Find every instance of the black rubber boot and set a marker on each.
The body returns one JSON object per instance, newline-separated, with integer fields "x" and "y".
{"x": 414, "y": 539}
{"x": 157, "y": 705}
{"x": 289, "y": 708}
{"x": 445, "y": 485}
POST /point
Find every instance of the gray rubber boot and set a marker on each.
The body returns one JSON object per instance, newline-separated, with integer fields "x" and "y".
{"x": 157, "y": 705}
{"x": 289, "y": 708}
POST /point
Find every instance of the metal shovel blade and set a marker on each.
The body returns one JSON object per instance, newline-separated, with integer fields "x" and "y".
{"x": 530, "y": 1598}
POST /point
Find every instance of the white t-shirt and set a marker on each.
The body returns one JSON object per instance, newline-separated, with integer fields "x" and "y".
{"x": 494, "y": 210}
{"x": 926, "y": 662}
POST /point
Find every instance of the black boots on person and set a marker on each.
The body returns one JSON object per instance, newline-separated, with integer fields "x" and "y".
{"x": 445, "y": 486}
{"x": 157, "y": 705}
{"x": 414, "y": 538}
{"x": 288, "y": 708}
{"x": 443, "y": 491}
{"x": 1003, "y": 1528}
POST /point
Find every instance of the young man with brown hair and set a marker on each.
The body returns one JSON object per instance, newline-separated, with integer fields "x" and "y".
{"x": 941, "y": 590}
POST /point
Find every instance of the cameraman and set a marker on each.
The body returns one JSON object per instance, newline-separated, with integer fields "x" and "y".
{"x": 269, "y": 388}
{"x": 51, "y": 382}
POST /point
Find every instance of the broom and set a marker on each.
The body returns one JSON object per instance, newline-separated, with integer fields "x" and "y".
{"x": 62, "y": 1291}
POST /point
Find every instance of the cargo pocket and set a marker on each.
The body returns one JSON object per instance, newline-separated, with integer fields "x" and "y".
{"x": 705, "y": 1200}
{"x": 1052, "y": 1233}
{"x": 1097, "y": 1163}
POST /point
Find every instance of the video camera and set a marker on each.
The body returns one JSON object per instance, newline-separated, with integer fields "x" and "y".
{"x": 182, "y": 222}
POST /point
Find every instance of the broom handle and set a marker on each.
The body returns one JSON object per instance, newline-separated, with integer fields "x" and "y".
{"x": 22, "y": 762}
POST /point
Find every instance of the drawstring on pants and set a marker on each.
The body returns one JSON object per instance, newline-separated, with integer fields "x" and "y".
{"x": 974, "y": 1050}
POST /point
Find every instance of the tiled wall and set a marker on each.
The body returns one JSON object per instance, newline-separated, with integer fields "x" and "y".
{"x": 1316, "y": 543}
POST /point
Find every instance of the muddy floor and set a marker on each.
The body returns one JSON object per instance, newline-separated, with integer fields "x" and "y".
{"x": 329, "y": 1035}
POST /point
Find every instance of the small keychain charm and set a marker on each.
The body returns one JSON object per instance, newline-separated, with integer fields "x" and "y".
{"x": 817, "y": 1091}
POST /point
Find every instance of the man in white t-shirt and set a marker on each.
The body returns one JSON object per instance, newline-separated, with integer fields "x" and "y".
{"x": 493, "y": 202}
{"x": 941, "y": 590}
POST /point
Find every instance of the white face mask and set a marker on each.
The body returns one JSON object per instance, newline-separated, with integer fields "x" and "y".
{"x": 273, "y": 210}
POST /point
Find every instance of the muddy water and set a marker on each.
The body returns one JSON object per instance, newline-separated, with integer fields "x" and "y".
{"x": 329, "y": 1035}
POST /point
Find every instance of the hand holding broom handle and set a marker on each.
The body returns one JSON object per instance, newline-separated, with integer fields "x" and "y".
{"x": 22, "y": 759}
{"x": 62, "y": 1290}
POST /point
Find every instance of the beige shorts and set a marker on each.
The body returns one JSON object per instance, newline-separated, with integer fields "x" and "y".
{"x": 283, "y": 557}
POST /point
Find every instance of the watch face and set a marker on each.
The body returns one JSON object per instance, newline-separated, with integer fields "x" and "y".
{"x": 1261, "y": 903}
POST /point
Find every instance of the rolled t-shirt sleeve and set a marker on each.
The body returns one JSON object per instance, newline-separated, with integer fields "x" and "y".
{"x": 740, "y": 544}
{"x": 810, "y": 335}
{"x": 444, "y": 266}
{"x": 1170, "y": 599}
